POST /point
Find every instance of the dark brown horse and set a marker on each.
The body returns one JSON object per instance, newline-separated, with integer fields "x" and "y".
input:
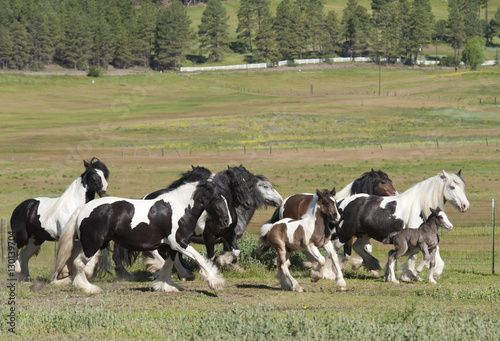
{"x": 297, "y": 206}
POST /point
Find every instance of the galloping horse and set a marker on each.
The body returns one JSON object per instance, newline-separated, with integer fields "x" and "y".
{"x": 315, "y": 230}
{"x": 298, "y": 205}
{"x": 367, "y": 216}
{"x": 143, "y": 225}
{"x": 411, "y": 241}
{"x": 262, "y": 193}
{"x": 37, "y": 220}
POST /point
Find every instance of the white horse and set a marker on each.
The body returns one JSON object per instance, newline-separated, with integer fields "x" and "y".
{"x": 366, "y": 216}
{"x": 41, "y": 219}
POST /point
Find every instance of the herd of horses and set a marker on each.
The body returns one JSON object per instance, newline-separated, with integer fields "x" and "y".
{"x": 211, "y": 208}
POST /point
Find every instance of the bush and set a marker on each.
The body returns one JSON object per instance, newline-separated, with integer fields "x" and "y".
{"x": 37, "y": 66}
{"x": 447, "y": 61}
{"x": 94, "y": 71}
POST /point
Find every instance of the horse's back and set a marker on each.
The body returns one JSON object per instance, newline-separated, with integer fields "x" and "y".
{"x": 297, "y": 205}
{"x": 368, "y": 214}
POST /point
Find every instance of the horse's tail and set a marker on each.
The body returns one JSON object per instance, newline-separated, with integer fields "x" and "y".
{"x": 18, "y": 223}
{"x": 103, "y": 265}
{"x": 264, "y": 230}
{"x": 276, "y": 216}
{"x": 66, "y": 244}
{"x": 153, "y": 261}
{"x": 390, "y": 238}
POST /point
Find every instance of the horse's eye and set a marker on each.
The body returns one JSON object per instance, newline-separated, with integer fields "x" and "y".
{"x": 452, "y": 187}
{"x": 383, "y": 182}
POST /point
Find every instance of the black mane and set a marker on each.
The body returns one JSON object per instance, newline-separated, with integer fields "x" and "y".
{"x": 368, "y": 181}
{"x": 196, "y": 174}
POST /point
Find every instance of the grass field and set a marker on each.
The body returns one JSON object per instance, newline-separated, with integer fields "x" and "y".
{"x": 270, "y": 123}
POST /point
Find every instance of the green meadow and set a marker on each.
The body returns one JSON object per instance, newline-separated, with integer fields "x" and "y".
{"x": 150, "y": 127}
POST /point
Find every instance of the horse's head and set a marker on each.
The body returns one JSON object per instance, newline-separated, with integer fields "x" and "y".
{"x": 382, "y": 185}
{"x": 242, "y": 185}
{"x": 267, "y": 192}
{"x": 327, "y": 205}
{"x": 211, "y": 199}
{"x": 454, "y": 190}
{"x": 95, "y": 176}
{"x": 441, "y": 218}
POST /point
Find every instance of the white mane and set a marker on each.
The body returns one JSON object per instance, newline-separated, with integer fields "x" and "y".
{"x": 55, "y": 212}
{"x": 418, "y": 199}
{"x": 344, "y": 193}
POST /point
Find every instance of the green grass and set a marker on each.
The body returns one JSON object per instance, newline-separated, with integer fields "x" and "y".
{"x": 51, "y": 123}
{"x": 251, "y": 306}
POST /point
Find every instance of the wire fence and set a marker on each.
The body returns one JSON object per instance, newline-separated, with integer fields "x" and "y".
{"x": 472, "y": 245}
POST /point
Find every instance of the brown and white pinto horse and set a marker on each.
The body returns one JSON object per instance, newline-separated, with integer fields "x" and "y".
{"x": 298, "y": 205}
{"x": 310, "y": 233}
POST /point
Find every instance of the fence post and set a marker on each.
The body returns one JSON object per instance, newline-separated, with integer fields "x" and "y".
{"x": 4, "y": 241}
{"x": 493, "y": 236}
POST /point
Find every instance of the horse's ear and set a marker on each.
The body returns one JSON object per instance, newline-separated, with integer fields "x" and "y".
{"x": 333, "y": 192}
{"x": 459, "y": 173}
{"x": 318, "y": 192}
{"x": 445, "y": 175}
{"x": 86, "y": 164}
{"x": 433, "y": 211}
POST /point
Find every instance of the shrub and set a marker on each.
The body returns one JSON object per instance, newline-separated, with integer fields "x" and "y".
{"x": 94, "y": 71}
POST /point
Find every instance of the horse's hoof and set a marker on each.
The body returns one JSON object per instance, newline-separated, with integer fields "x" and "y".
{"x": 376, "y": 273}
{"x": 405, "y": 278}
{"x": 417, "y": 279}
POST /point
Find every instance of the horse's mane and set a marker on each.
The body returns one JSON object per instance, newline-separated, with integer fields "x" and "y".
{"x": 243, "y": 183}
{"x": 423, "y": 195}
{"x": 367, "y": 181}
{"x": 197, "y": 173}
{"x": 97, "y": 164}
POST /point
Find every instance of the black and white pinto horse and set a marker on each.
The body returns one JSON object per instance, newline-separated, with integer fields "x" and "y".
{"x": 143, "y": 225}
{"x": 298, "y": 206}
{"x": 259, "y": 188}
{"x": 367, "y": 216}
{"x": 41, "y": 219}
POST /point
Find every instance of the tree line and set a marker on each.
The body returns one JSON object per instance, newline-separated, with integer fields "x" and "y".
{"x": 125, "y": 33}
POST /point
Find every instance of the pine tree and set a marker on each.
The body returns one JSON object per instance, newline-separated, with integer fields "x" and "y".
{"x": 390, "y": 24}
{"x": 456, "y": 26}
{"x": 6, "y": 49}
{"x": 213, "y": 30}
{"x": 265, "y": 40}
{"x": 332, "y": 33}
{"x": 355, "y": 27}
{"x": 20, "y": 45}
{"x": 421, "y": 24}
{"x": 173, "y": 36}
{"x": 314, "y": 22}
{"x": 247, "y": 23}
{"x": 287, "y": 25}
{"x": 146, "y": 26}
{"x": 76, "y": 44}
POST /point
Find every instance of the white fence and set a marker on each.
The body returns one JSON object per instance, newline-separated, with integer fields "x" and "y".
{"x": 306, "y": 61}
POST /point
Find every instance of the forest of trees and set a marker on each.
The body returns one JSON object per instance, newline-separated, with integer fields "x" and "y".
{"x": 159, "y": 34}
